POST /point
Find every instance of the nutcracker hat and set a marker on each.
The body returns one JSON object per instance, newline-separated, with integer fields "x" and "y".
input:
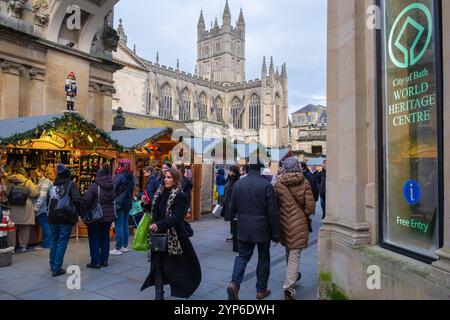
{"x": 72, "y": 74}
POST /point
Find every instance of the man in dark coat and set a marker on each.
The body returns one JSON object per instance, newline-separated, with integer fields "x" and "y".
{"x": 322, "y": 185}
{"x": 258, "y": 223}
{"x": 312, "y": 179}
{"x": 99, "y": 239}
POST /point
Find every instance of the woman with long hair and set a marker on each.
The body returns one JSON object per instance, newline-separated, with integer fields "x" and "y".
{"x": 178, "y": 265}
{"x": 234, "y": 176}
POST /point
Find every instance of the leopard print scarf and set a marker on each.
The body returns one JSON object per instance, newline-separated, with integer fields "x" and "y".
{"x": 174, "y": 246}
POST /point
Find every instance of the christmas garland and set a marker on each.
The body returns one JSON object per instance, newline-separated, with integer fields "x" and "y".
{"x": 70, "y": 125}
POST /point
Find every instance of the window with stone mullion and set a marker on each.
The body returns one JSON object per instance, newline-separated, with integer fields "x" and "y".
{"x": 255, "y": 113}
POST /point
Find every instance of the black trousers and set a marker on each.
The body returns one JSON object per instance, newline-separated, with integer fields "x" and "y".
{"x": 159, "y": 278}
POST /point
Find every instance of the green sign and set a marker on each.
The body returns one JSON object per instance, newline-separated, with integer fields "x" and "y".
{"x": 410, "y": 127}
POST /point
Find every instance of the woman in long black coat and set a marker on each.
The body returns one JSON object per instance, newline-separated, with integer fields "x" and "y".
{"x": 99, "y": 239}
{"x": 179, "y": 266}
{"x": 234, "y": 176}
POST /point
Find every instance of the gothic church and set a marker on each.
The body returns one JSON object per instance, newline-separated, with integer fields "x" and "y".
{"x": 217, "y": 95}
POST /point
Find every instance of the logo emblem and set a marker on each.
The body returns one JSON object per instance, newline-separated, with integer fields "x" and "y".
{"x": 412, "y": 192}
{"x": 410, "y": 58}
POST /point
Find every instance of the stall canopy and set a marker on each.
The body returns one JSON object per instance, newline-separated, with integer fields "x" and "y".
{"x": 70, "y": 124}
{"x": 139, "y": 138}
{"x": 318, "y": 162}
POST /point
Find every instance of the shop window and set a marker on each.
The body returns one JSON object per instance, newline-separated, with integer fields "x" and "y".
{"x": 316, "y": 150}
{"x": 410, "y": 128}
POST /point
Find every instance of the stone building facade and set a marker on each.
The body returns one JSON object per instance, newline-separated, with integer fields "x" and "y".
{"x": 38, "y": 49}
{"x": 309, "y": 131}
{"x": 359, "y": 258}
{"x": 249, "y": 111}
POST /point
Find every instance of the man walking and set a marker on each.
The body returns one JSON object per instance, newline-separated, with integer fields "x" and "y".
{"x": 322, "y": 185}
{"x": 254, "y": 203}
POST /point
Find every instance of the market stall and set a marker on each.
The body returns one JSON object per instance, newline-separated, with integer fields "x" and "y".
{"x": 63, "y": 138}
{"x": 145, "y": 147}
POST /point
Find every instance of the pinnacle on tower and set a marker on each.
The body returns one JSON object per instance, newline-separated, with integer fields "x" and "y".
{"x": 264, "y": 69}
{"x": 157, "y": 57}
{"x": 201, "y": 20}
{"x": 226, "y": 12}
{"x": 241, "y": 20}
{"x": 178, "y": 64}
{"x": 227, "y": 15}
{"x": 216, "y": 24}
{"x": 134, "y": 48}
{"x": 272, "y": 68}
{"x": 121, "y": 32}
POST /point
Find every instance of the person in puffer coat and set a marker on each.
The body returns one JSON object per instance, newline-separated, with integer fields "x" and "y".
{"x": 99, "y": 237}
{"x": 296, "y": 203}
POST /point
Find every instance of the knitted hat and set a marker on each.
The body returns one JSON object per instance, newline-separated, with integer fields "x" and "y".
{"x": 291, "y": 165}
{"x": 61, "y": 168}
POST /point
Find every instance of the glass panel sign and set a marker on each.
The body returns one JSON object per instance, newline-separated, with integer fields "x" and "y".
{"x": 410, "y": 126}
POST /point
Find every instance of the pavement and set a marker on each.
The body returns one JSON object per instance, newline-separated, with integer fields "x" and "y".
{"x": 29, "y": 278}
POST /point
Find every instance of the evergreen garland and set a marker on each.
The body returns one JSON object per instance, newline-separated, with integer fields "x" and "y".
{"x": 69, "y": 124}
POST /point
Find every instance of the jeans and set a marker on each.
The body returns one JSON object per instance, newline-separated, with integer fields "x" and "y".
{"x": 122, "y": 232}
{"x": 263, "y": 269}
{"x": 99, "y": 243}
{"x": 59, "y": 239}
{"x": 42, "y": 220}
{"x": 322, "y": 203}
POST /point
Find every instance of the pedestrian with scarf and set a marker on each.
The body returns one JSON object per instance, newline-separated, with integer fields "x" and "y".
{"x": 172, "y": 266}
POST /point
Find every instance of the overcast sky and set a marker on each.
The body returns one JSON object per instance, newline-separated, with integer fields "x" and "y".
{"x": 292, "y": 31}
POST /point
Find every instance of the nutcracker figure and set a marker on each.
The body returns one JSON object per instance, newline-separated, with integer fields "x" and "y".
{"x": 71, "y": 91}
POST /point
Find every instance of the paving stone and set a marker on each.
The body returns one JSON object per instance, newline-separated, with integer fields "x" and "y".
{"x": 128, "y": 290}
{"x": 85, "y": 295}
{"x": 96, "y": 283}
{"x": 49, "y": 293}
{"x": 26, "y": 284}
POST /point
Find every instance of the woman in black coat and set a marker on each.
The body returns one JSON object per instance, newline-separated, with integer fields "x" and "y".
{"x": 99, "y": 240}
{"x": 179, "y": 266}
{"x": 234, "y": 176}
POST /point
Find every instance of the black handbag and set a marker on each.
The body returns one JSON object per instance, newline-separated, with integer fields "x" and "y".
{"x": 188, "y": 228}
{"x": 96, "y": 215}
{"x": 159, "y": 243}
{"x": 65, "y": 208}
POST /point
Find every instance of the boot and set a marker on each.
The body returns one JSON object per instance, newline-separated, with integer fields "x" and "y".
{"x": 159, "y": 295}
{"x": 288, "y": 296}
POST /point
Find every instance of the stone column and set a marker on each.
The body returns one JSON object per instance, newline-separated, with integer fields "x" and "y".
{"x": 37, "y": 78}
{"x": 347, "y": 92}
{"x": 106, "y": 121}
{"x": 93, "y": 89}
{"x": 444, "y": 253}
{"x": 10, "y": 90}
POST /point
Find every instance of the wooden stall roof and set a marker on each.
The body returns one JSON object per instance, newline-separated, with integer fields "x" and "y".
{"x": 15, "y": 130}
{"x": 139, "y": 121}
{"x": 138, "y": 138}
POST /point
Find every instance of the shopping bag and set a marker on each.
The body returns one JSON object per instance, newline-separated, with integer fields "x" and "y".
{"x": 217, "y": 212}
{"x": 140, "y": 242}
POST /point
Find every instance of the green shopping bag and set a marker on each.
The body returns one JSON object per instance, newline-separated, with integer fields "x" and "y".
{"x": 140, "y": 242}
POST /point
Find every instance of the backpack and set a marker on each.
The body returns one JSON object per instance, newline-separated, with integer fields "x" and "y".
{"x": 63, "y": 206}
{"x": 18, "y": 195}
